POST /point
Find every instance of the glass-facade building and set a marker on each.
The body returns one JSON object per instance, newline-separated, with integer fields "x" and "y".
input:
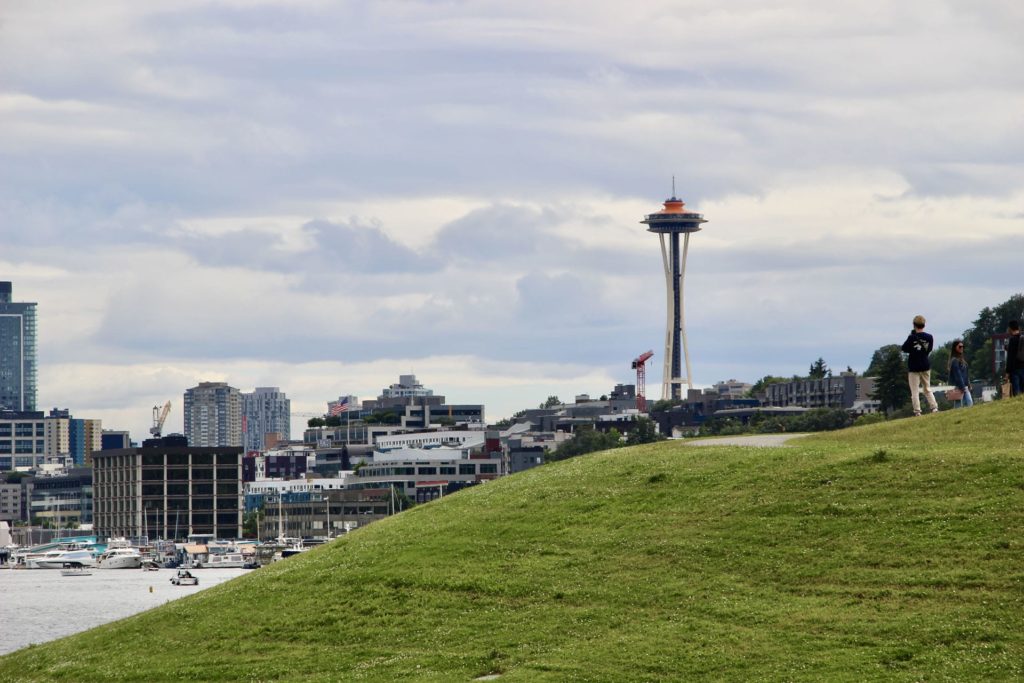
{"x": 17, "y": 352}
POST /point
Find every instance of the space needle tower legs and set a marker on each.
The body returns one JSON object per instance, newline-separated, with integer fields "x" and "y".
{"x": 669, "y": 223}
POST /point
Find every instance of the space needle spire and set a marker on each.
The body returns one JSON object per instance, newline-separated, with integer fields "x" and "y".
{"x": 669, "y": 223}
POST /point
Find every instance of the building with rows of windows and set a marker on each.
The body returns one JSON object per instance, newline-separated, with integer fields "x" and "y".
{"x": 425, "y": 474}
{"x": 168, "y": 489}
{"x": 17, "y": 352}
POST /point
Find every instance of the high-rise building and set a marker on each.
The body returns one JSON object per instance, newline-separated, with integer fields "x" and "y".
{"x": 67, "y": 435}
{"x": 17, "y": 352}
{"x": 213, "y": 415}
{"x": 671, "y": 222}
{"x": 265, "y": 411}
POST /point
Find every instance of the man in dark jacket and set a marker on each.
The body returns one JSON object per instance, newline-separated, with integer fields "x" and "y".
{"x": 1014, "y": 367}
{"x": 918, "y": 345}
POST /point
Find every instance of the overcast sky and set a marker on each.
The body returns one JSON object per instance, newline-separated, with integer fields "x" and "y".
{"x": 321, "y": 196}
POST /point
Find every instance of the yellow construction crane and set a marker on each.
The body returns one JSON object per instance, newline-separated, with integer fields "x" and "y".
{"x": 159, "y": 417}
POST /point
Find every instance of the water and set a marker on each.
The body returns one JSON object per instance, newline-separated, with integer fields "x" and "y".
{"x": 37, "y": 605}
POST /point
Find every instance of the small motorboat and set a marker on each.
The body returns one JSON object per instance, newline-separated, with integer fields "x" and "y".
{"x": 75, "y": 569}
{"x": 184, "y": 577}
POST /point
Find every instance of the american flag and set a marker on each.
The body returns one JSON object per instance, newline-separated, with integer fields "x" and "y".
{"x": 339, "y": 407}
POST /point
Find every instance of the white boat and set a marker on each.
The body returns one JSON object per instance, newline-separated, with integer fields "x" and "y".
{"x": 224, "y": 561}
{"x": 120, "y": 558}
{"x": 183, "y": 577}
{"x": 61, "y": 555}
{"x": 74, "y": 569}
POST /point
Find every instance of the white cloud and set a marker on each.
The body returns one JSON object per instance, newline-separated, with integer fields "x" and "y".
{"x": 275, "y": 192}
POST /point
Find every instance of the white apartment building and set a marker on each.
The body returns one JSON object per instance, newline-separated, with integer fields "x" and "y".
{"x": 213, "y": 415}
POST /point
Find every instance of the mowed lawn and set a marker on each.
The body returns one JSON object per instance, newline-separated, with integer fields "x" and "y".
{"x": 889, "y": 552}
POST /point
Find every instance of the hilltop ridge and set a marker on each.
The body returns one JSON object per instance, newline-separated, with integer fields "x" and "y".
{"x": 887, "y": 552}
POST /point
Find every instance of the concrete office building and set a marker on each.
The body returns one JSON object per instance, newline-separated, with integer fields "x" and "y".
{"x": 213, "y": 415}
{"x": 265, "y": 411}
{"x": 168, "y": 489}
{"x": 23, "y": 440}
{"x": 17, "y": 352}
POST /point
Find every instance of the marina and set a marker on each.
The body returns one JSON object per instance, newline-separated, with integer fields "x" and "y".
{"x": 39, "y": 606}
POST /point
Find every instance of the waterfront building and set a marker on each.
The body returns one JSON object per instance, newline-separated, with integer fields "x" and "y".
{"x": 320, "y": 512}
{"x": 213, "y": 415}
{"x": 12, "y": 501}
{"x": 168, "y": 489}
{"x": 265, "y": 411}
{"x": 425, "y": 474}
{"x": 18, "y": 365}
{"x": 63, "y": 501}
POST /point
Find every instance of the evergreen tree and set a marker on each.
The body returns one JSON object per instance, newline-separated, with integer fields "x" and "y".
{"x": 891, "y": 388}
{"x": 818, "y": 370}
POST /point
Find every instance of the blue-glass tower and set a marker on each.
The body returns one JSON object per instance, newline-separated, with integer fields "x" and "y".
{"x": 17, "y": 352}
{"x": 669, "y": 223}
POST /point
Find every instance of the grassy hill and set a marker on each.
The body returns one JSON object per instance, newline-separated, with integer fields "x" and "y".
{"x": 890, "y": 552}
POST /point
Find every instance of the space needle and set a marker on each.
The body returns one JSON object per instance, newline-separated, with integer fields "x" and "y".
{"x": 671, "y": 222}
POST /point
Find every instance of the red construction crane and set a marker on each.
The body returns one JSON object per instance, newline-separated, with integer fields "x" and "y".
{"x": 638, "y": 365}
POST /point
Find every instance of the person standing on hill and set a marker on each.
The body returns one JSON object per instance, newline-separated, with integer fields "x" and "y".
{"x": 1014, "y": 363}
{"x": 958, "y": 375}
{"x": 918, "y": 345}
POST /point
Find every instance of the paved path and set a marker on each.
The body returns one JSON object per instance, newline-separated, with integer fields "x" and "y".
{"x": 755, "y": 440}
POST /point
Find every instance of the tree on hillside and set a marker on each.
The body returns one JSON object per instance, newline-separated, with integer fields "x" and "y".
{"x": 939, "y": 360}
{"x": 644, "y": 431}
{"x": 981, "y": 363}
{"x": 990, "y": 321}
{"x": 877, "y": 358}
{"x": 891, "y": 388}
{"x": 586, "y": 440}
{"x": 551, "y": 402}
{"x": 818, "y": 370}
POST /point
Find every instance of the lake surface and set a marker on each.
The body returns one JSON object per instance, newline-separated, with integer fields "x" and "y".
{"x": 37, "y": 605}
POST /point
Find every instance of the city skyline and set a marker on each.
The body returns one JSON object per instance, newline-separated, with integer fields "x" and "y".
{"x": 323, "y": 197}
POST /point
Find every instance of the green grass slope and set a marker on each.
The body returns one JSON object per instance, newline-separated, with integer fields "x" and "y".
{"x": 890, "y": 552}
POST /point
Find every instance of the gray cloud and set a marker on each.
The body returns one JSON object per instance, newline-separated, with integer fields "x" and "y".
{"x": 121, "y": 124}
